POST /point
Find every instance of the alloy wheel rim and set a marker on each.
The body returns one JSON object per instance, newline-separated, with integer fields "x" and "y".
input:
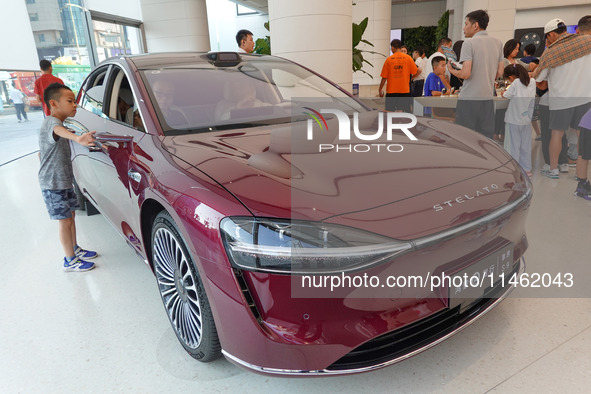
{"x": 178, "y": 289}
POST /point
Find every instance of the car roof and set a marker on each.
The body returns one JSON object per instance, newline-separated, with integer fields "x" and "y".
{"x": 183, "y": 59}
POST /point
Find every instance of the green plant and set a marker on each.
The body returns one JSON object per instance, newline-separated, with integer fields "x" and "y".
{"x": 358, "y": 60}
{"x": 422, "y": 36}
{"x": 262, "y": 46}
{"x": 442, "y": 26}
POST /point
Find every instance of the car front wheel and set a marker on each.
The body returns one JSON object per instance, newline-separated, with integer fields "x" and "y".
{"x": 182, "y": 291}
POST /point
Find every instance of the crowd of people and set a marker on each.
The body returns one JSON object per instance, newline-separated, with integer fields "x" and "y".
{"x": 549, "y": 95}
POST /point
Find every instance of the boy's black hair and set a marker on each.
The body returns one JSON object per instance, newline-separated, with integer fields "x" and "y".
{"x": 44, "y": 65}
{"x": 435, "y": 61}
{"x": 584, "y": 24}
{"x": 241, "y": 35}
{"x": 529, "y": 49}
{"x": 396, "y": 43}
{"x": 480, "y": 16}
{"x": 420, "y": 50}
{"x": 53, "y": 92}
{"x": 444, "y": 40}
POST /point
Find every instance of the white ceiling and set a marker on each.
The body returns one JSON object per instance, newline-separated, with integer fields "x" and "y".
{"x": 263, "y": 5}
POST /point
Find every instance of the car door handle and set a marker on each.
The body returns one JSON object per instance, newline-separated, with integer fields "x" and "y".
{"x": 134, "y": 176}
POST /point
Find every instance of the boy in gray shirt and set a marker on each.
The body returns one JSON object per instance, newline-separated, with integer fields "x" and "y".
{"x": 56, "y": 176}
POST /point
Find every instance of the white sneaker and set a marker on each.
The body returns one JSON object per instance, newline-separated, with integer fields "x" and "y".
{"x": 545, "y": 168}
{"x": 551, "y": 173}
{"x": 563, "y": 168}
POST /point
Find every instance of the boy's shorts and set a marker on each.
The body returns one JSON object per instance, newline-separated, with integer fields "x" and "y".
{"x": 60, "y": 203}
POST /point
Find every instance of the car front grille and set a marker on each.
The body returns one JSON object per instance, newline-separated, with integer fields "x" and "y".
{"x": 408, "y": 339}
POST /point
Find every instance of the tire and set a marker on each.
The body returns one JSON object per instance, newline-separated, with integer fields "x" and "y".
{"x": 182, "y": 292}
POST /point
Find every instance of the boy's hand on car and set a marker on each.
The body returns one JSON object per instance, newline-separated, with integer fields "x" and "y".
{"x": 86, "y": 139}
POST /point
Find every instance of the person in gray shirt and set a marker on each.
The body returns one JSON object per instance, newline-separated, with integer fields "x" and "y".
{"x": 482, "y": 63}
{"x": 56, "y": 176}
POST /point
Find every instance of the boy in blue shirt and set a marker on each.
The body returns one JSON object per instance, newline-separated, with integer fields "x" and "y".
{"x": 436, "y": 81}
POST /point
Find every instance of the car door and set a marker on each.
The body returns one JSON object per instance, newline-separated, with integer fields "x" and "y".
{"x": 89, "y": 116}
{"x": 111, "y": 176}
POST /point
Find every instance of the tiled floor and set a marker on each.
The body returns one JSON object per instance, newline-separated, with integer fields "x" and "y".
{"x": 106, "y": 330}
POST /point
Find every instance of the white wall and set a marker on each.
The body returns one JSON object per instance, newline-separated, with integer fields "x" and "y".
{"x": 378, "y": 33}
{"x": 175, "y": 25}
{"x": 409, "y": 15}
{"x": 125, "y": 8}
{"x": 539, "y": 16}
{"x": 316, "y": 34}
{"x": 508, "y": 15}
{"x": 17, "y": 45}
{"x": 224, "y": 24}
{"x": 456, "y": 19}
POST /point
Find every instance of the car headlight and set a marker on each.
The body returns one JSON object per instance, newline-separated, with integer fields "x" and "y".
{"x": 302, "y": 247}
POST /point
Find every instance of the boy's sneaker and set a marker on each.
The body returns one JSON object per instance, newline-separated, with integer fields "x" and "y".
{"x": 554, "y": 174}
{"x": 583, "y": 190}
{"x": 77, "y": 265}
{"x": 85, "y": 254}
{"x": 563, "y": 168}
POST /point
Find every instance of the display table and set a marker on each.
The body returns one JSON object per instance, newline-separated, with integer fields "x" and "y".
{"x": 450, "y": 102}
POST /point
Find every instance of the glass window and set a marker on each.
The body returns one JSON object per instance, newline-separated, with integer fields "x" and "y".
{"x": 123, "y": 105}
{"x": 41, "y": 37}
{"x": 69, "y": 39}
{"x": 114, "y": 39}
{"x": 93, "y": 92}
{"x": 205, "y": 98}
{"x": 93, "y": 100}
{"x": 242, "y": 10}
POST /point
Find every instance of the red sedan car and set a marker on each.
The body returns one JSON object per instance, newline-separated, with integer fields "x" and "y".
{"x": 290, "y": 227}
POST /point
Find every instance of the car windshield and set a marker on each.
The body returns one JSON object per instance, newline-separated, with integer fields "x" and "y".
{"x": 204, "y": 98}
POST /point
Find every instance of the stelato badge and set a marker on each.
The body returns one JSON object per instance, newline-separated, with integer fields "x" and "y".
{"x": 465, "y": 198}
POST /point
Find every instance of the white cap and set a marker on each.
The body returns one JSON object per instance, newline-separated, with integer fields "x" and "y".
{"x": 553, "y": 25}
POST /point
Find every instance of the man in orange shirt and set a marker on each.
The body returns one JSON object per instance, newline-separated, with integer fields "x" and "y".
{"x": 396, "y": 74}
{"x": 44, "y": 81}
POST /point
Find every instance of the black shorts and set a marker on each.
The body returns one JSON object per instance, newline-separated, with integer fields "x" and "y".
{"x": 585, "y": 143}
{"x": 398, "y": 102}
{"x": 563, "y": 119}
{"x": 478, "y": 115}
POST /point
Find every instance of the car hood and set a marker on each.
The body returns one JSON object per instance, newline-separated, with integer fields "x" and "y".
{"x": 275, "y": 174}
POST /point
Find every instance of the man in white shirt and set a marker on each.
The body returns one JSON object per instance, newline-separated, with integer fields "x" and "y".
{"x": 17, "y": 98}
{"x": 419, "y": 80}
{"x": 444, "y": 42}
{"x": 245, "y": 41}
{"x": 565, "y": 72}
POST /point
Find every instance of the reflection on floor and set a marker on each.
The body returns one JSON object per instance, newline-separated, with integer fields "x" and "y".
{"x": 106, "y": 330}
{"x": 18, "y": 139}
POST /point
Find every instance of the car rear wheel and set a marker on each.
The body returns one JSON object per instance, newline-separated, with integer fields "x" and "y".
{"x": 182, "y": 291}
